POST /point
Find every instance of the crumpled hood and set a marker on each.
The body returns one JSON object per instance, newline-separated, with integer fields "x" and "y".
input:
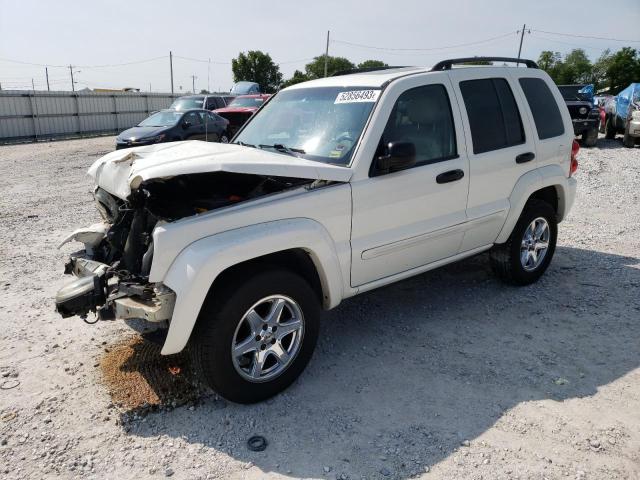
{"x": 122, "y": 171}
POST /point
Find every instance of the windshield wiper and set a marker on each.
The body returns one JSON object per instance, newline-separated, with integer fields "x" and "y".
{"x": 246, "y": 144}
{"x": 284, "y": 149}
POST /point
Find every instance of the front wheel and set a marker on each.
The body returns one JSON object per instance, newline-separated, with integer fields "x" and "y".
{"x": 256, "y": 336}
{"x": 528, "y": 251}
{"x": 224, "y": 138}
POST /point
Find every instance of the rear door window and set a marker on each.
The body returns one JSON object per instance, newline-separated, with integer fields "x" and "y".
{"x": 493, "y": 114}
{"x": 544, "y": 107}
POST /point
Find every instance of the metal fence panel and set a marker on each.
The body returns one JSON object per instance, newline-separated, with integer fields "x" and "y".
{"x": 27, "y": 115}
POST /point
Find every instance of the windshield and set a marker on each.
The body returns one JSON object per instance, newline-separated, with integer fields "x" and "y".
{"x": 247, "y": 102}
{"x": 242, "y": 88}
{"x": 161, "y": 119}
{"x": 572, "y": 92}
{"x": 187, "y": 103}
{"x": 321, "y": 124}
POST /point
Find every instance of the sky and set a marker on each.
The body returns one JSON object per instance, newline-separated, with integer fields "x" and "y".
{"x": 96, "y": 37}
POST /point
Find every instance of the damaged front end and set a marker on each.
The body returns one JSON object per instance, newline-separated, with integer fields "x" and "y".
{"x": 113, "y": 269}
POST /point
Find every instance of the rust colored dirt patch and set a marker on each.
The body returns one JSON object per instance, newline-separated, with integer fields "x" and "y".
{"x": 137, "y": 376}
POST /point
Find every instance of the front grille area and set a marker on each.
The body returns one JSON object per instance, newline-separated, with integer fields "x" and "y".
{"x": 574, "y": 110}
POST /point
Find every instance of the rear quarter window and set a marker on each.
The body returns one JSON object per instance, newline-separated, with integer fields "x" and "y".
{"x": 544, "y": 108}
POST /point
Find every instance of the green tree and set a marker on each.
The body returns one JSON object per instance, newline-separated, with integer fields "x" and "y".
{"x": 204, "y": 91}
{"x": 297, "y": 77}
{"x": 315, "y": 69}
{"x": 256, "y": 66}
{"x": 623, "y": 69}
{"x": 551, "y": 62}
{"x": 599, "y": 71}
{"x": 576, "y": 68}
{"x": 372, "y": 64}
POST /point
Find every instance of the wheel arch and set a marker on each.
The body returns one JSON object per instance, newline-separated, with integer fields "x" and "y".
{"x": 549, "y": 184}
{"x": 301, "y": 244}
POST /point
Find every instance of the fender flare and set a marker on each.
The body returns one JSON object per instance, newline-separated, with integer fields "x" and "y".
{"x": 530, "y": 182}
{"x": 197, "y": 266}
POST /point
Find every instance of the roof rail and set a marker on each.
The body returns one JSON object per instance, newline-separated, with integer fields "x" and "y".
{"x": 364, "y": 70}
{"x": 446, "y": 64}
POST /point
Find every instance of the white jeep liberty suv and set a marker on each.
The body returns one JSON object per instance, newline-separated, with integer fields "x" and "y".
{"x": 334, "y": 187}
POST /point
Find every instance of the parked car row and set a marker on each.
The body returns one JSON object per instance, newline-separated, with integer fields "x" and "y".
{"x": 604, "y": 113}
{"x": 208, "y": 117}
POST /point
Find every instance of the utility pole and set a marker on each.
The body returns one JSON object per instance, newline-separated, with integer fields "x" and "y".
{"x": 46, "y": 72}
{"x": 521, "y": 38}
{"x": 209, "y": 76}
{"x": 326, "y": 55}
{"x": 193, "y": 83}
{"x": 73, "y": 86}
{"x": 171, "y": 68}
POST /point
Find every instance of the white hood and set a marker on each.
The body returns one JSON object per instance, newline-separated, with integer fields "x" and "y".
{"x": 124, "y": 170}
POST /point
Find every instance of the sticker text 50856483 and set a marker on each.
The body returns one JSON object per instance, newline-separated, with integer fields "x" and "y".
{"x": 355, "y": 96}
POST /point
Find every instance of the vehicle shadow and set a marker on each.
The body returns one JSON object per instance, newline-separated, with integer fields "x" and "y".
{"x": 403, "y": 374}
{"x": 606, "y": 144}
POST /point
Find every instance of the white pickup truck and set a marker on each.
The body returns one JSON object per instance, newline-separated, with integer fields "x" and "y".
{"x": 334, "y": 187}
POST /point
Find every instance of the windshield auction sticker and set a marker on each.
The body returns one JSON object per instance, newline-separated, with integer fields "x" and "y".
{"x": 355, "y": 96}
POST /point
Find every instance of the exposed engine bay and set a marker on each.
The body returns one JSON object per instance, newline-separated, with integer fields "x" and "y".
{"x": 114, "y": 267}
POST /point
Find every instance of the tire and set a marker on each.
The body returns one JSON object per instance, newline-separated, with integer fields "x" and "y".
{"x": 506, "y": 258}
{"x": 224, "y": 138}
{"x": 223, "y": 324}
{"x": 628, "y": 141}
{"x": 609, "y": 129}
{"x": 590, "y": 138}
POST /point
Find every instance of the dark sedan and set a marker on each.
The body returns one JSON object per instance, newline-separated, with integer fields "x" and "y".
{"x": 172, "y": 125}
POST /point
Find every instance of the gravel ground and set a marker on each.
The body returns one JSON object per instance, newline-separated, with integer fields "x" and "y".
{"x": 450, "y": 374}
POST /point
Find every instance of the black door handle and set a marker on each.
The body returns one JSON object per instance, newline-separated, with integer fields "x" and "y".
{"x": 525, "y": 157}
{"x": 450, "y": 176}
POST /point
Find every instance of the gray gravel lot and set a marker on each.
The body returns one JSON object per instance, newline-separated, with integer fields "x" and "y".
{"x": 450, "y": 374}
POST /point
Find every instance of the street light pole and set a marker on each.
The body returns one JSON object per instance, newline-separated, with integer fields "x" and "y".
{"x": 73, "y": 86}
{"x": 326, "y": 55}
{"x": 171, "y": 68}
{"x": 521, "y": 38}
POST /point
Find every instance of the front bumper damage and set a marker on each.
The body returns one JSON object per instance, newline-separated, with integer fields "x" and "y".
{"x": 97, "y": 289}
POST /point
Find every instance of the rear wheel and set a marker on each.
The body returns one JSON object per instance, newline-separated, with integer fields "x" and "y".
{"x": 528, "y": 251}
{"x": 609, "y": 130}
{"x": 590, "y": 138}
{"x": 628, "y": 141}
{"x": 256, "y": 336}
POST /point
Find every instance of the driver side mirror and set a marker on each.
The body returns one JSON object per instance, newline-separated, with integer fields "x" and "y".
{"x": 186, "y": 124}
{"x": 400, "y": 155}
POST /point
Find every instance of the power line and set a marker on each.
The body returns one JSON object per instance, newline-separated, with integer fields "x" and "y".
{"x": 587, "y": 36}
{"x": 553, "y": 40}
{"x": 389, "y": 49}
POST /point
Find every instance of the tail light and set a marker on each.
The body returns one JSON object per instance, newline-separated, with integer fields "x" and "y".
{"x": 575, "y": 148}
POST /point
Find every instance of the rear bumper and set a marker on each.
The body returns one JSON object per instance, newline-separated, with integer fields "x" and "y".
{"x": 583, "y": 125}
{"x": 634, "y": 128}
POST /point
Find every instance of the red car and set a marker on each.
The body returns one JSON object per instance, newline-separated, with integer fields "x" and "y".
{"x": 240, "y": 110}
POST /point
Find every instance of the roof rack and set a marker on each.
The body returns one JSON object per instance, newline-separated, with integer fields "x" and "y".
{"x": 447, "y": 64}
{"x": 364, "y": 70}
